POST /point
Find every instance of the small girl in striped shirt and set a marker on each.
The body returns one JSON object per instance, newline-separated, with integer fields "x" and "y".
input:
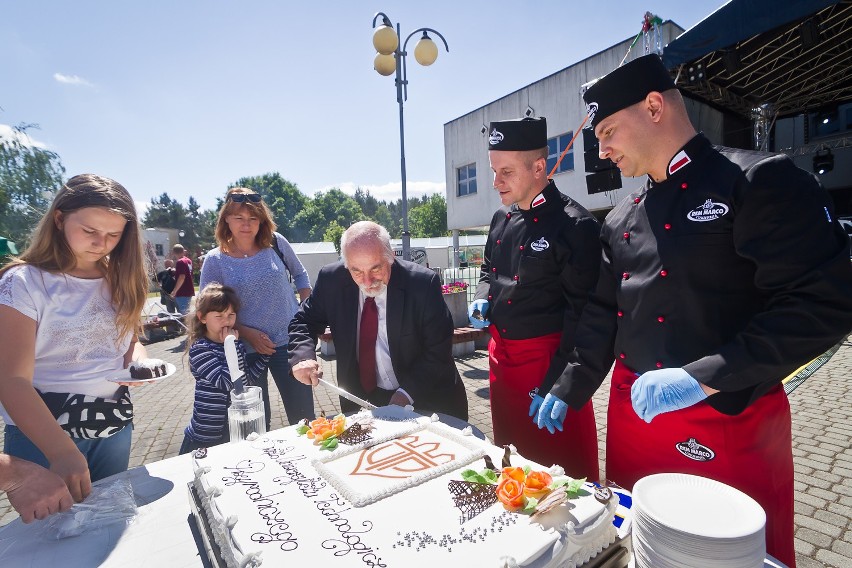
{"x": 209, "y": 324}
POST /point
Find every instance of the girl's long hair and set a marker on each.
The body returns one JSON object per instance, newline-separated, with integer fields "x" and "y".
{"x": 124, "y": 269}
{"x": 214, "y": 297}
{"x": 264, "y": 236}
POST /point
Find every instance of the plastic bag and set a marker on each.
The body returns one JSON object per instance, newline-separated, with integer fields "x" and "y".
{"x": 106, "y": 504}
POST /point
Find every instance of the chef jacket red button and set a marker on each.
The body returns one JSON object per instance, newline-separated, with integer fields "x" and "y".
{"x": 489, "y": 296}
{"x": 636, "y": 200}
{"x": 667, "y": 226}
{"x": 620, "y": 314}
{"x": 508, "y": 215}
{"x": 504, "y": 330}
{"x": 683, "y": 186}
{"x": 522, "y": 247}
{"x": 664, "y": 273}
{"x": 625, "y": 275}
{"x": 508, "y": 301}
{"x": 498, "y": 241}
{"x": 626, "y": 236}
{"x": 659, "y": 364}
{"x": 661, "y": 319}
{"x": 535, "y": 219}
{"x": 621, "y": 355}
{"x": 493, "y": 270}
{"x": 516, "y": 276}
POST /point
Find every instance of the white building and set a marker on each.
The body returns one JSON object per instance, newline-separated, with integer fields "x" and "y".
{"x": 161, "y": 242}
{"x": 471, "y": 199}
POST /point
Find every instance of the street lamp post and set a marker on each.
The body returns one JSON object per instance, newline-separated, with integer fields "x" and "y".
{"x": 389, "y": 59}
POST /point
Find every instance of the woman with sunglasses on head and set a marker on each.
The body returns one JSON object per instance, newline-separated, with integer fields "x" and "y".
{"x": 248, "y": 260}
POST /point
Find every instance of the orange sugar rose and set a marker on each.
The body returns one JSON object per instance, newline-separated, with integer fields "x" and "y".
{"x": 537, "y": 484}
{"x": 323, "y": 428}
{"x": 510, "y": 492}
{"x": 516, "y": 473}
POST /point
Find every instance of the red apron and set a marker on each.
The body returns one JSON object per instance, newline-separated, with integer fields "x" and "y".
{"x": 752, "y": 451}
{"x": 516, "y": 367}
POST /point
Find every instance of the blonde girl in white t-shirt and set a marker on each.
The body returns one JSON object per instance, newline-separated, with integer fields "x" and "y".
{"x": 69, "y": 315}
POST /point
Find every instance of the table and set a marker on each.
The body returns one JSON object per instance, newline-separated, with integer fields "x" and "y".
{"x": 164, "y": 533}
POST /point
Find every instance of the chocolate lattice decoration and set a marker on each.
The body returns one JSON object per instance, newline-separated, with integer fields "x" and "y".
{"x": 471, "y": 497}
{"x": 355, "y": 434}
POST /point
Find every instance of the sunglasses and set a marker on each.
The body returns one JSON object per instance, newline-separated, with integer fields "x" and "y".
{"x": 243, "y": 197}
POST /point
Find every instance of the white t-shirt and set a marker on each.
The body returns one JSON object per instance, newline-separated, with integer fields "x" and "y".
{"x": 75, "y": 349}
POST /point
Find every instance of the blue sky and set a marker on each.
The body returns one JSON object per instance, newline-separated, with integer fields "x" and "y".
{"x": 186, "y": 97}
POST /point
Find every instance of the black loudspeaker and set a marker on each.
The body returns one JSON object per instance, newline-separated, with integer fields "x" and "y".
{"x": 606, "y": 180}
{"x": 591, "y": 147}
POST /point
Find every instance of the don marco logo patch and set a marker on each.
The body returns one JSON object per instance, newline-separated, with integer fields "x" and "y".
{"x": 695, "y": 450}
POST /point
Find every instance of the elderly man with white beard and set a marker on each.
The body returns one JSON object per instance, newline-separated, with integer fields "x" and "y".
{"x": 392, "y": 330}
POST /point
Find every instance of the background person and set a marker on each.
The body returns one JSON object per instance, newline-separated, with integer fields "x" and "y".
{"x": 398, "y": 307}
{"x": 69, "y": 312}
{"x": 167, "y": 280}
{"x": 210, "y": 322}
{"x": 720, "y": 276}
{"x": 246, "y": 260}
{"x": 541, "y": 261}
{"x": 33, "y": 491}
{"x": 184, "y": 288}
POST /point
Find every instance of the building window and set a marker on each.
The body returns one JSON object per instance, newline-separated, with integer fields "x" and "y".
{"x": 158, "y": 250}
{"x": 466, "y": 179}
{"x": 554, "y": 150}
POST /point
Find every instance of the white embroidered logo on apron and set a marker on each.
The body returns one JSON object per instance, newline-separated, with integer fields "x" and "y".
{"x": 695, "y": 450}
{"x": 708, "y": 211}
{"x": 540, "y": 245}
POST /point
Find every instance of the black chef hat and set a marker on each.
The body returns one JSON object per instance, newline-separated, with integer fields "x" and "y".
{"x": 518, "y": 135}
{"x": 626, "y": 86}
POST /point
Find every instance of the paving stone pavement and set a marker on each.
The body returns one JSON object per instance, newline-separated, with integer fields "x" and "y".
{"x": 822, "y": 430}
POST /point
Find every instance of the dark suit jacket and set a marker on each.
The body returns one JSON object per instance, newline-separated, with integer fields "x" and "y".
{"x": 420, "y": 331}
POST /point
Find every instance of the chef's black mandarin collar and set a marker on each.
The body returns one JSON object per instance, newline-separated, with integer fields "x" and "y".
{"x": 546, "y": 198}
{"x": 684, "y": 159}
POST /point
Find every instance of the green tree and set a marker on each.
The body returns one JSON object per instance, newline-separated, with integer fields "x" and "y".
{"x": 309, "y": 224}
{"x": 429, "y": 219}
{"x": 369, "y": 204}
{"x": 282, "y": 196}
{"x": 318, "y": 214}
{"x": 29, "y": 176}
{"x": 198, "y": 226}
{"x": 333, "y": 234}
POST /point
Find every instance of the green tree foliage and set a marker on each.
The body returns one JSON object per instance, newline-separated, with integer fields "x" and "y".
{"x": 325, "y": 208}
{"x": 333, "y": 235}
{"x": 197, "y": 225}
{"x": 29, "y": 177}
{"x": 429, "y": 219}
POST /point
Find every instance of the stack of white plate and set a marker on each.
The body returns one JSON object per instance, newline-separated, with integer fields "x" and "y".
{"x": 687, "y": 521}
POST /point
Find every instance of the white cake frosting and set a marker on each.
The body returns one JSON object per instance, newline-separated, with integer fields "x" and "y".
{"x": 381, "y": 503}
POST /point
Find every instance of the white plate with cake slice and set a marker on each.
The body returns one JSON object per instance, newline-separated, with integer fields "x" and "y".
{"x": 147, "y": 371}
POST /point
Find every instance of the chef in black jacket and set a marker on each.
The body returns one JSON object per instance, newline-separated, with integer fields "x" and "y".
{"x": 541, "y": 263}
{"x": 724, "y": 273}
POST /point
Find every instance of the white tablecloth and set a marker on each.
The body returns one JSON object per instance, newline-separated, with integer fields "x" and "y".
{"x": 161, "y": 536}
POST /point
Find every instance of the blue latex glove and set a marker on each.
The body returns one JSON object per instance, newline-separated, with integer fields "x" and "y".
{"x": 482, "y": 306}
{"x": 551, "y": 414}
{"x": 535, "y": 405}
{"x": 664, "y": 390}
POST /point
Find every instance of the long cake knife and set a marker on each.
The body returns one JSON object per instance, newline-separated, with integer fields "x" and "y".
{"x": 348, "y": 396}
